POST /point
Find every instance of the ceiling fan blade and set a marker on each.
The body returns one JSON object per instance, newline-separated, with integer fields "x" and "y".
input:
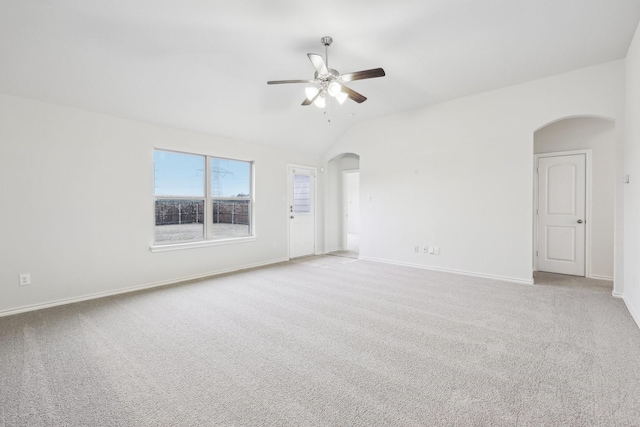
{"x": 361, "y": 75}
{"x": 318, "y": 63}
{"x": 279, "y": 82}
{"x": 354, "y": 95}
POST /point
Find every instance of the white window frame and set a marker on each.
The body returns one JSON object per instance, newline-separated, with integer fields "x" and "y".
{"x": 209, "y": 239}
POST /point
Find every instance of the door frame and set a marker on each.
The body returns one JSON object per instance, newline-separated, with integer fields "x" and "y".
{"x": 290, "y": 202}
{"x": 345, "y": 209}
{"x": 588, "y": 216}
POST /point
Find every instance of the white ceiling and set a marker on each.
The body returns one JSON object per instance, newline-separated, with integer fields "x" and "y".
{"x": 203, "y": 64}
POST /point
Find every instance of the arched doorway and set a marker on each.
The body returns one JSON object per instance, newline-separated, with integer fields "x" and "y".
{"x": 563, "y": 234}
{"x": 342, "y": 205}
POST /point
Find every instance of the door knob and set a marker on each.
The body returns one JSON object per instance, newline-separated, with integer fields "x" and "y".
{"x": 579, "y": 221}
{"x": 291, "y": 217}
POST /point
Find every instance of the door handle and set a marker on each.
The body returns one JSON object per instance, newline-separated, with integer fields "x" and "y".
{"x": 291, "y": 217}
{"x": 579, "y": 221}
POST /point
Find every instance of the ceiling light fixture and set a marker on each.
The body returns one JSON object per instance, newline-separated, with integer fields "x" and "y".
{"x": 329, "y": 81}
{"x": 320, "y": 101}
{"x": 311, "y": 92}
{"x": 341, "y": 97}
{"x": 334, "y": 88}
{"x": 318, "y": 95}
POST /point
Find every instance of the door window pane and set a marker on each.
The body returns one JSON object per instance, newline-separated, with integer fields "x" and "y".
{"x": 301, "y": 194}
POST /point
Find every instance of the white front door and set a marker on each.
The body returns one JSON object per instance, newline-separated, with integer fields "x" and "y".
{"x": 302, "y": 219}
{"x": 561, "y": 214}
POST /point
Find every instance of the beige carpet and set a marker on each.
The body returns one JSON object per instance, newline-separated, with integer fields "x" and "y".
{"x": 327, "y": 341}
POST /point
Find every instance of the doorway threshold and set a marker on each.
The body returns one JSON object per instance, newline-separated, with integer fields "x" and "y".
{"x": 345, "y": 254}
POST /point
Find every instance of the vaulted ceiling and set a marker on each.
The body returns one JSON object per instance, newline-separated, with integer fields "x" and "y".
{"x": 203, "y": 64}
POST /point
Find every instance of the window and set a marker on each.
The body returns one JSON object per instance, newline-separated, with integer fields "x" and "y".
{"x": 199, "y": 198}
{"x": 301, "y": 194}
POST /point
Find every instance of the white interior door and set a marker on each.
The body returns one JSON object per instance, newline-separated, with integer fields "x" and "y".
{"x": 302, "y": 221}
{"x": 561, "y": 214}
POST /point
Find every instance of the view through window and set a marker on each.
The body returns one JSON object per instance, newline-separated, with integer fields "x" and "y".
{"x": 201, "y": 197}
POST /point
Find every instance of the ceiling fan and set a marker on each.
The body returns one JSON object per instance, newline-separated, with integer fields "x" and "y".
{"x": 327, "y": 81}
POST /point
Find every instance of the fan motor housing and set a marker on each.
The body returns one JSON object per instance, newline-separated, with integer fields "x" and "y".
{"x": 333, "y": 75}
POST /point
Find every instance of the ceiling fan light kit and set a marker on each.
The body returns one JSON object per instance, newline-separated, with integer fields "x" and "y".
{"x": 328, "y": 82}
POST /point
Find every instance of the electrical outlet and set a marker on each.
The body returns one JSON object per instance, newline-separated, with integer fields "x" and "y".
{"x": 425, "y": 249}
{"x": 436, "y": 250}
{"x": 416, "y": 248}
{"x": 431, "y": 250}
{"x": 25, "y": 279}
{"x": 275, "y": 245}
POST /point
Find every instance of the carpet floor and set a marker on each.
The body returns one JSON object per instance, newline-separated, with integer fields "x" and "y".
{"x": 328, "y": 341}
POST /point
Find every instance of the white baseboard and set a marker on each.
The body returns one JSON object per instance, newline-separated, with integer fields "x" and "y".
{"x": 632, "y": 310}
{"x": 40, "y": 306}
{"x": 617, "y": 294}
{"x": 595, "y": 276}
{"x": 448, "y": 270}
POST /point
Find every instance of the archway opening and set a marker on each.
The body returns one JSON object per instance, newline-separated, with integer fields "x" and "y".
{"x": 342, "y": 205}
{"x": 561, "y": 144}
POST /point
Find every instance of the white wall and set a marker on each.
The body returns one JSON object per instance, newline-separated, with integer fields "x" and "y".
{"x": 77, "y": 209}
{"x": 598, "y": 135}
{"x": 334, "y": 199}
{"x": 76, "y": 188}
{"x": 458, "y": 175}
{"x": 632, "y": 190}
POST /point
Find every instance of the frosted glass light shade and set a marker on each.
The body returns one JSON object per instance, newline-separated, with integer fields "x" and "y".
{"x": 341, "y": 97}
{"x": 320, "y": 101}
{"x": 334, "y": 89}
{"x": 311, "y": 92}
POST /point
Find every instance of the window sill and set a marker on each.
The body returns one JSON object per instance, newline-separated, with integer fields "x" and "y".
{"x": 200, "y": 244}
